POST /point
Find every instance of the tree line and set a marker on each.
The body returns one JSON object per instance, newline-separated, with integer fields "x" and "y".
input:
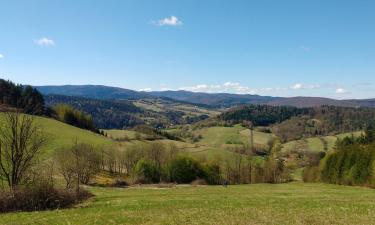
{"x": 23, "y": 97}
{"x": 291, "y": 123}
{"x": 351, "y": 163}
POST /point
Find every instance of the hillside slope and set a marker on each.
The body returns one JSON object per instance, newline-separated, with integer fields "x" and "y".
{"x": 61, "y": 135}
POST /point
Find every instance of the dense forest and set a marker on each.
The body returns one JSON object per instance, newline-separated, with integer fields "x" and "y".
{"x": 22, "y": 97}
{"x": 262, "y": 115}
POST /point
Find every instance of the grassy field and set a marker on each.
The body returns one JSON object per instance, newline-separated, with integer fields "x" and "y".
{"x": 60, "y": 134}
{"x": 221, "y": 136}
{"x": 294, "y": 203}
{"x": 316, "y": 144}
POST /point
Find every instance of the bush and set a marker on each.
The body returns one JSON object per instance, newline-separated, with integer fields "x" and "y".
{"x": 146, "y": 172}
{"x": 212, "y": 173}
{"x": 185, "y": 170}
{"x": 39, "y": 198}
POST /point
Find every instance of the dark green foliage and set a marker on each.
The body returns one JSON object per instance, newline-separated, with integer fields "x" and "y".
{"x": 352, "y": 162}
{"x": 147, "y": 172}
{"x": 262, "y": 115}
{"x": 184, "y": 169}
{"x": 23, "y": 97}
{"x": 212, "y": 173}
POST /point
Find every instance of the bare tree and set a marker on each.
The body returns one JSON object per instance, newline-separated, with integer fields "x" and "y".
{"x": 21, "y": 143}
{"x": 65, "y": 166}
{"x": 78, "y": 164}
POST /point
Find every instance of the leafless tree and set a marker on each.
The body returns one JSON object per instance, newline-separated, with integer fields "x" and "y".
{"x": 78, "y": 163}
{"x": 21, "y": 143}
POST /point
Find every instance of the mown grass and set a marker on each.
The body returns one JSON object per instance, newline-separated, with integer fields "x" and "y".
{"x": 294, "y": 203}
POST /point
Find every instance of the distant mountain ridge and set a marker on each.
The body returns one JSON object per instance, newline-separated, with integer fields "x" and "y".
{"x": 93, "y": 91}
{"x": 219, "y": 100}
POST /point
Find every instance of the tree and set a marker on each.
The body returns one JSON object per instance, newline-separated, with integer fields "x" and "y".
{"x": 147, "y": 172}
{"x": 78, "y": 163}
{"x": 184, "y": 169}
{"x": 21, "y": 143}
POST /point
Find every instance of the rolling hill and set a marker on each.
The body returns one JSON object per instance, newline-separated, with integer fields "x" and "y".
{"x": 216, "y": 100}
{"x": 60, "y": 135}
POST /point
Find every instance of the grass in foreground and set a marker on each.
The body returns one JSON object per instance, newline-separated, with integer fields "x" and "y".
{"x": 294, "y": 203}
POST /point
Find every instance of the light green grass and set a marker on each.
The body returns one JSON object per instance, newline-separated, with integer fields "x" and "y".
{"x": 120, "y": 134}
{"x": 294, "y": 203}
{"x": 316, "y": 144}
{"x": 61, "y": 135}
{"x": 219, "y": 136}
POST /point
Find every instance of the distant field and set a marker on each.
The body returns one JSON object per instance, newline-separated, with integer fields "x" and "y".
{"x": 220, "y": 136}
{"x": 163, "y": 106}
{"x": 294, "y": 203}
{"x": 60, "y": 134}
{"x": 121, "y": 134}
{"x": 316, "y": 144}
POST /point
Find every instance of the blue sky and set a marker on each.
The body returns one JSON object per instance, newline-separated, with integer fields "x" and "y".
{"x": 279, "y": 48}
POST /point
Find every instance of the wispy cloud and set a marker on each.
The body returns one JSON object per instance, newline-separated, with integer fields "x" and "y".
{"x": 1, "y": 56}
{"x": 145, "y": 89}
{"x": 44, "y": 42}
{"x": 342, "y": 91}
{"x": 299, "y": 86}
{"x": 227, "y": 87}
{"x": 168, "y": 21}
{"x": 237, "y": 88}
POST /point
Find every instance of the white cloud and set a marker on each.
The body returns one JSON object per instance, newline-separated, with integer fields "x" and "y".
{"x": 341, "y": 91}
{"x": 227, "y": 87}
{"x": 168, "y": 21}
{"x": 44, "y": 42}
{"x": 237, "y": 88}
{"x": 299, "y": 86}
{"x": 145, "y": 89}
{"x": 1, "y": 56}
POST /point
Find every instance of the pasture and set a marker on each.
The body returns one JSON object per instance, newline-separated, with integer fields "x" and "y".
{"x": 293, "y": 203}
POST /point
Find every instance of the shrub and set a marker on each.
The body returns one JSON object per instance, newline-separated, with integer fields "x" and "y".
{"x": 39, "y": 198}
{"x": 146, "y": 172}
{"x": 185, "y": 169}
{"x": 212, "y": 173}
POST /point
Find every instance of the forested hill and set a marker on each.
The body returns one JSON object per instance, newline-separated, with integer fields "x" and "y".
{"x": 223, "y": 100}
{"x": 212, "y": 100}
{"x": 121, "y": 114}
{"x": 22, "y": 97}
{"x": 105, "y": 113}
{"x": 93, "y": 91}
{"x": 291, "y": 123}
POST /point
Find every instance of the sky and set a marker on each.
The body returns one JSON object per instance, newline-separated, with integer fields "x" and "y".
{"x": 287, "y": 48}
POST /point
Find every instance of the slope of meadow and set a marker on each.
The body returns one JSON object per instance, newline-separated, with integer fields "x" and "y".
{"x": 59, "y": 134}
{"x": 316, "y": 144}
{"x": 293, "y": 203}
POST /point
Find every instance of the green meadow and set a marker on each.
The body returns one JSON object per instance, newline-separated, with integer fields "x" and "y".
{"x": 293, "y": 203}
